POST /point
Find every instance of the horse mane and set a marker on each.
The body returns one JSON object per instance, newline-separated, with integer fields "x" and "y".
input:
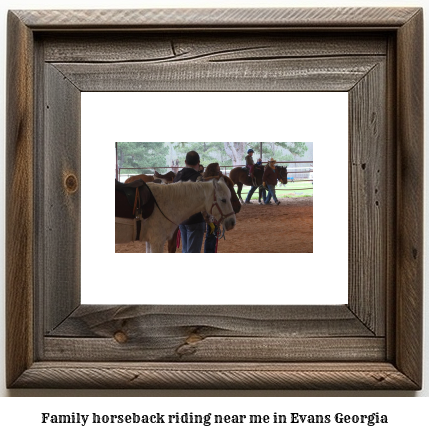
{"x": 172, "y": 190}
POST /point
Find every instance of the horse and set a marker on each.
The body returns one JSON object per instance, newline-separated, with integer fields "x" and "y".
{"x": 156, "y": 178}
{"x": 165, "y": 178}
{"x": 176, "y": 202}
{"x": 240, "y": 176}
{"x": 235, "y": 202}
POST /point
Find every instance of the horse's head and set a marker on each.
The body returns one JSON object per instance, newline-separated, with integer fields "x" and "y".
{"x": 281, "y": 173}
{"x": 170, "y": 176}
{"x": 235, "y": 201}
{"x": 220, "y": 204}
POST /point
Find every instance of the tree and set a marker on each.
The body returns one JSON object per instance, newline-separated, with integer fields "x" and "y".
{"x": 288, "y": 151}
{"x": 236, "y": 151}
{"x": 142, "y": 155}
{"x": 295, "y": 148}
{"x": 209, "y": 152}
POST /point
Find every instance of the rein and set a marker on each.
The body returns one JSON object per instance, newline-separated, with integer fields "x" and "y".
{"x": 157, "y": 205}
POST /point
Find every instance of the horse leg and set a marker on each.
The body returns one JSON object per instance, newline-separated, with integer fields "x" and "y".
{"x": 157, "y": 247}
{"x": 172, "y": 243}
{"x": 240, "y": 187}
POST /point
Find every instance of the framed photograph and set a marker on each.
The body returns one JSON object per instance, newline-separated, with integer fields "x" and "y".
{"x": 373, "y": 341}
{"x": 285, "y": 232}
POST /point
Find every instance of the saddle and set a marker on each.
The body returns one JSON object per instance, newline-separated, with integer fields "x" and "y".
{"x": 133, "y": 199}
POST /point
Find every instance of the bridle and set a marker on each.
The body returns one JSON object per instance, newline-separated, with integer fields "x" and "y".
{"x": 215, "y": 204}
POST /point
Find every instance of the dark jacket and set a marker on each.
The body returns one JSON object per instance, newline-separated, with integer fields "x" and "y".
{"x": 269, "y": 176}
{"x": 183, "y": 176}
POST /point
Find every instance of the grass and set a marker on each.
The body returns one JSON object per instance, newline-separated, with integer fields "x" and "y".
{"x": 290, "y": 190}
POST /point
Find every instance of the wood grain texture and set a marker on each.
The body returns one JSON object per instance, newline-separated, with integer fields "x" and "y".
{"x": 61, "y": 183}
{"x": 410, "y": 198}
{"x": 368, "y": 203}
{"x": 224, "y": 47}
{"x": 189, "y": 347}
{"x": 208, "y": 18}
{"x": 213, "y": 333}
{"x": 391, "y": 192}
{"x": 99, "y": 321}
{"x": 108, "y": 375}
{"x": 330, "y": 74}
{"x": 174, "y": 348}
{"x": 19, "y": 200}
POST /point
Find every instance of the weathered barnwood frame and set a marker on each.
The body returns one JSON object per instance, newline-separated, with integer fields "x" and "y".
{"x": 373, "y": 342}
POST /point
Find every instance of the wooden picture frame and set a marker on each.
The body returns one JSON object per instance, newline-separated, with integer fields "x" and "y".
{"x": 373, "y": 342}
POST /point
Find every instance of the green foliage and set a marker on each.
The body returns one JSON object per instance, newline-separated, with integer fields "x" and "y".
{"x": 209, "y": 152}
{"x": 142, "y": 155}
{"x": 161, "y": 154}
{"x": 295, "y": 148}
{"x": 281, "y": 151}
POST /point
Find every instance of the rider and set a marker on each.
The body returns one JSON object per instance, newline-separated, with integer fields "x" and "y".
{"x": 253, "y": 188}
{"x": 250, "y": 164}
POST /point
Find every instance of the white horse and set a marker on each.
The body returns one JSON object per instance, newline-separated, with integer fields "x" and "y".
{"x": 177, "y": 202}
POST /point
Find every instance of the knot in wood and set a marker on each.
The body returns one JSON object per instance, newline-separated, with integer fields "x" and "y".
{"x": 120, "y": 337}
{"x": 193, "y": 337}
{"x": 71, "y": 183}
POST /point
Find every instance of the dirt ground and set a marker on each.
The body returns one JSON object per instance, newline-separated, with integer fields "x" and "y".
{"x": 287, "y": 228}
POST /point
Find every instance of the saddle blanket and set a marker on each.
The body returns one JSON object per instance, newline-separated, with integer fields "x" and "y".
{"x": 125, "y": 230}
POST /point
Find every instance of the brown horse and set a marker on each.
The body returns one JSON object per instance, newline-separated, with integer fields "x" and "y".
{"x": 235, "y": 202}
{"x": 240, "y": 176}
{"x": 163, "y": 178}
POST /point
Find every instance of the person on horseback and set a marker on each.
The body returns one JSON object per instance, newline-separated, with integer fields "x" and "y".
{"x": 250, "y": 164}
{"x": 262, "y": 193}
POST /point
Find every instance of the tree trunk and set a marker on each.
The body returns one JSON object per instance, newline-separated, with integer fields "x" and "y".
{"x": 236, "y": 151}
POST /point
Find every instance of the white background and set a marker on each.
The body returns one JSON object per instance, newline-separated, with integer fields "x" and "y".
{"x": 294, "y": 278}
{"x": 21, "y": 414}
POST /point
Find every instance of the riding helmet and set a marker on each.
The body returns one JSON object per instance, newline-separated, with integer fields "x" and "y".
{"x": 250, "y": 151}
